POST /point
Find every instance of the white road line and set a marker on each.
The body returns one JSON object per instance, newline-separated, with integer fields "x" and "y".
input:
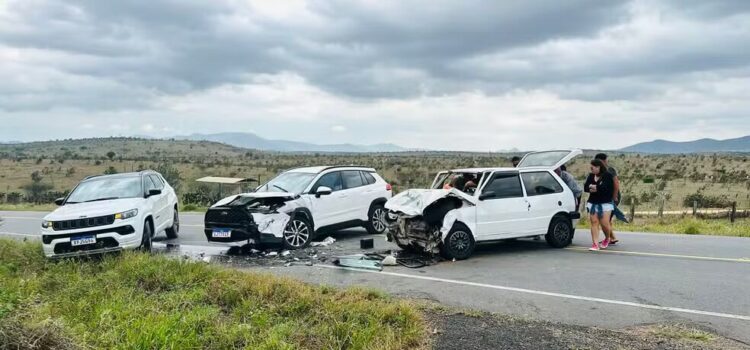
{"x": 694, "y": 257}
{"x": 18, "y": 234}
{"x": 549, "y": 294}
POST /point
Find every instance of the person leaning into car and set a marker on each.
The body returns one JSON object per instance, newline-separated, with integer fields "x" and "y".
{"x": 600, "y": 186}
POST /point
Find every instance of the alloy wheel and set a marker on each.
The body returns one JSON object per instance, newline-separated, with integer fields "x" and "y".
{"x": 296, "y": 233}
{"x": 378, "y": 220}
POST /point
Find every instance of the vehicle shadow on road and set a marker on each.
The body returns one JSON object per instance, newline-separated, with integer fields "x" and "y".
{"x": 510, "y": 246}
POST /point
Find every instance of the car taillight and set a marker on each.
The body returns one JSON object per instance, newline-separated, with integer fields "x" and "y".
{"x": 388, "y": 187}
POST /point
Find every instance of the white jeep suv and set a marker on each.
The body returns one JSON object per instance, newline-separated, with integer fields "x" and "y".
{"x": 296, "y": 204}
{"x": 492, "y": 204}
{"x": 109, "y": 213}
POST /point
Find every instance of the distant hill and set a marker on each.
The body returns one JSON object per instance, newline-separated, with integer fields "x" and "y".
{"x": 741, "y": 144}
{"x": 252, "y": 141}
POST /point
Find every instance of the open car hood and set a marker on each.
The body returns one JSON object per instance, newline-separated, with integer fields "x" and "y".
{"x": 229, "y": 199}
{"x": 414, "y": 202}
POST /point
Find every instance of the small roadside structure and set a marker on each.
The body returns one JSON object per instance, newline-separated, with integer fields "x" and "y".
{"x": 234, "y": 183}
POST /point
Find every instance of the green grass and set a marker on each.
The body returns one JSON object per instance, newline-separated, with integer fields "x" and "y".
{"x": 139, "y": 301}
{"x": 682, "y": 333}
{"x": 684, "y": 225}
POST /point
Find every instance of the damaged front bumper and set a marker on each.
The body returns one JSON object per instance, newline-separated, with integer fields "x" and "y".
{"x": 243, "y": 226}
{"x": 420, "y": 219}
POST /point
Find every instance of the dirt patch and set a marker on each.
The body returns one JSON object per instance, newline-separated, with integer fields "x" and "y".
{"x": 458, "y": 330}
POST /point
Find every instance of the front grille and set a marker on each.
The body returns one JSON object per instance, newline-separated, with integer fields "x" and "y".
{"x": 236, "y": 216}
{"x": 122, "y": 230}
{"x": 83, "y": 223}
{"x": 106, "y": 242}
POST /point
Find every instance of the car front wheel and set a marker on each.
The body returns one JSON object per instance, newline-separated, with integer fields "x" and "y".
{"x": 297, "y": 233}
{"x": 146, "y": 238}
{"x": 560, "y": 233}
{"x": 376, "y": 223}
{"x": 458, "y": 244}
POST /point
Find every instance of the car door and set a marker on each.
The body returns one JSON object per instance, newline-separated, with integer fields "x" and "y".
{"x": 328, "y": 209}
{"x": 502, "y": 209}
{"x": 544, "y": 194}
{"x": 371, "y": 192}
{"x": 153, "y": 202}
{"x": 165, "y": 212}
{"x": 355, "y": 195}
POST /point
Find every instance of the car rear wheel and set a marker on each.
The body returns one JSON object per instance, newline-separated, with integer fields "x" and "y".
{"x": 560, "y": 233}
{"x": 376, "y": 223}
{"x": 173, "y": 231}
{"x": 458, "y": 244}
{"x": 297, "y": 233}
{"x": 146, "y": 238}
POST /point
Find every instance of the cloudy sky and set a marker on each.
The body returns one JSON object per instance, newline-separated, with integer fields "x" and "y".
{"x": 468, "y": 75}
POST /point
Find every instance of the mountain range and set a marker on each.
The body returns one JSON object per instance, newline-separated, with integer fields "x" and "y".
{"x": 253, "y": 141}
{"x": 740, "y": 144}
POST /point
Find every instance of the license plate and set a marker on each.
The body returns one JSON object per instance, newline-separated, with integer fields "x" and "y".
{"x": 221, "y": 233}
{"x": 83, "y": 240}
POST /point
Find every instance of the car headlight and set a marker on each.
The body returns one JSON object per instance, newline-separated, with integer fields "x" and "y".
{"x": 126, "y": 214}
{"x": 46, "y": 224}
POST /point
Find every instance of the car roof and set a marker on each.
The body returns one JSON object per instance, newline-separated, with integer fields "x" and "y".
{"x": 319, "y": 169}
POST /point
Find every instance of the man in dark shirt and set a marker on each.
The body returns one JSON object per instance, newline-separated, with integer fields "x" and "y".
{"x": 616, "y": 194}
{"x": 515, "y": 160}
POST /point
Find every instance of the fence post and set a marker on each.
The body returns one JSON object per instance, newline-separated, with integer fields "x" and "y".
{"x": 695, "y": 208}
{"x": 661, "y": 207}
{"x": 632, "y": 209}
{"x": 733, "y": 213}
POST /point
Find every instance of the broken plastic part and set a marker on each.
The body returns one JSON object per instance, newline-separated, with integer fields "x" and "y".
{"x": 324, "y": 243}
{"x": 360, "y": 262}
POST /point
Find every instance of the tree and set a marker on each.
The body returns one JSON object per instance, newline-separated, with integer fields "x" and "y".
{"x": 171, "y": 174}
{"x": 36, "y": 189}
{"x": 111, "y": 155}
{"x": 111, "y": 170}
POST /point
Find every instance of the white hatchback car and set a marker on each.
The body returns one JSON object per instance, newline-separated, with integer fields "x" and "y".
{"x": 499, "y": 203}
{"x": 296, "y": 204}
{"x": 109, "y": 213}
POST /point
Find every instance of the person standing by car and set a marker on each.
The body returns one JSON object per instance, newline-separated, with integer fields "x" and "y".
{"x": 572, "y": 184}
{"x": 515, "y": 160}
{"x": 616, "y": 213}
{"x": 600, "y": 186}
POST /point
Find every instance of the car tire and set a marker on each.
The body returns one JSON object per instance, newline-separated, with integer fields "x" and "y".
{"x": 560, "y": 232}
{"x": 173, "y": 232}
{"x": 146, "y": 237}
{"x": 376, "y": 219}
{"x": 298, "y": 233}
{"x": 458, "y": 244}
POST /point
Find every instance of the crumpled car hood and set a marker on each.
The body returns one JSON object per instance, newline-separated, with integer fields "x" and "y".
{"x": 413, "y": 202}
{"x": 255, "y": 195}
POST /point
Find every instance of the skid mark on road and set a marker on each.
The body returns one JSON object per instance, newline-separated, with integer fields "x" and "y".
{"x": 548, "y": 294}
{"x": 663, "y": 255}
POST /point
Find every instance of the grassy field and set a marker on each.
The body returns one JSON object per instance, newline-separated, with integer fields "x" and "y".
{"x": 138, "y": 301}
{"x": 687, "y": 225}
{"x": 645, "y": 178}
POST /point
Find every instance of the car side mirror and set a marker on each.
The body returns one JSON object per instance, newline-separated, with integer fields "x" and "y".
{"x": 153, "y": 192}
{"x": 487, "y": 195}
{"x": 60, "y": 201}
{"x": 323, "y": 191}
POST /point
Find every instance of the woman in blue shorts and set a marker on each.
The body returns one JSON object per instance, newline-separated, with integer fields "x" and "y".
{"x": 600, "y": 186}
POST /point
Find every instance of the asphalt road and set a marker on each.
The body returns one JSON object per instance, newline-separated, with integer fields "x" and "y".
{"x": 648, "y": 278}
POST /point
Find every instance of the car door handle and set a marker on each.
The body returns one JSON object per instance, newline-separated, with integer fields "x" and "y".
{"x": 529, "y": 207}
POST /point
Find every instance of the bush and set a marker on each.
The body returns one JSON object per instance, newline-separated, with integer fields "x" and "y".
{"x": 705, "y": 201}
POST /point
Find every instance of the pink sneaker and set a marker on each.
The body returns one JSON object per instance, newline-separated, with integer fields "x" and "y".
{"x": 594, "y": 247}
{"x": 605, "y": 243}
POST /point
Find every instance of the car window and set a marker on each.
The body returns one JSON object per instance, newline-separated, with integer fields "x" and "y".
{"x": 148, "y": 184}
{"x": 331, "y": 180}
{"x": 540, "y": 183}
{"x": 157, "y": 182}
{"x": 352, "y": 178}
{"x": 369, "y": 179}
{"x": 505, "y": 186}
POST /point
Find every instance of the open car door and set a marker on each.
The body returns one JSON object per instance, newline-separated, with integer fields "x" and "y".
{"x": 548, "y": 159}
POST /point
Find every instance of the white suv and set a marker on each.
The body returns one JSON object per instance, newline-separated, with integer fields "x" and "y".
{"x": 109, "y": 213}
{"x": 296, "y": 204}
{"x": 494, "y": 204}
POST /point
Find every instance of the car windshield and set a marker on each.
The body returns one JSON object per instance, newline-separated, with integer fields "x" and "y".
{"x": 106, "y": 188}
{"x": 291, "y": 182}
